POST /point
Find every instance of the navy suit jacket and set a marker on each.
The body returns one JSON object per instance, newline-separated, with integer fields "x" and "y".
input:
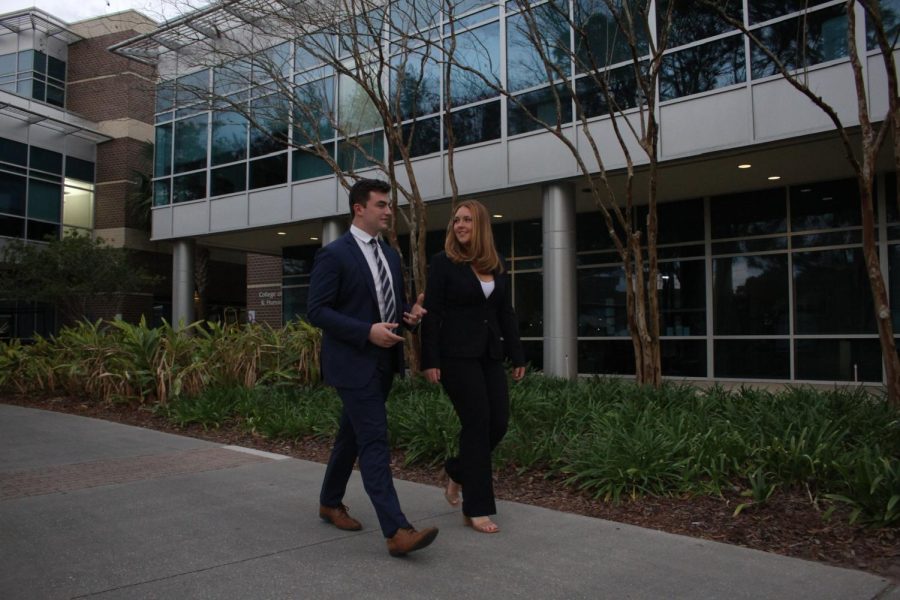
{"x": 342, "y": 302}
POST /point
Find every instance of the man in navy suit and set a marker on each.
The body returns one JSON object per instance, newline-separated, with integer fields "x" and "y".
{"x": 355, "y": 295}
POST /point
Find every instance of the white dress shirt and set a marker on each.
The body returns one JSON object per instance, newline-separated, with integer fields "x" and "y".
{"x": 362, "y": 240}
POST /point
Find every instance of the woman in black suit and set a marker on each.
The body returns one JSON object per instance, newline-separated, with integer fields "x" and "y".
{"x": 470, "y": 327}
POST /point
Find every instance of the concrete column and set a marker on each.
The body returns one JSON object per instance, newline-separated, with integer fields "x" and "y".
{"x": 560, "y": 289}
{"x": 332, "y": 229}
{"x": 182, "y": 283}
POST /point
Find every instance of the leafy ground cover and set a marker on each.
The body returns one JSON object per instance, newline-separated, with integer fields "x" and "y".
{"x": 809, "y": 474}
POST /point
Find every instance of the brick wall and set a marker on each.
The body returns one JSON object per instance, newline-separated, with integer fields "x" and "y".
{"x": 103, "y": 86}
{"x": 264, "y": 288}
{"x": 118, "y": 163}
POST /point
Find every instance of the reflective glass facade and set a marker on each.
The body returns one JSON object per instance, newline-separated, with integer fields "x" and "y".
{"x": 43, "y": 193}
{"x": 33, "y": 74}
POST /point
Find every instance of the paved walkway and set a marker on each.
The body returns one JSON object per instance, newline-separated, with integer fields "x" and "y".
{"x": 91, "y": 509}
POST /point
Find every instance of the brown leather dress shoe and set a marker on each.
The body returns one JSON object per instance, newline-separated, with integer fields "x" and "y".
{"x": 337, "y": 516}
{"x": 410, "y": 540}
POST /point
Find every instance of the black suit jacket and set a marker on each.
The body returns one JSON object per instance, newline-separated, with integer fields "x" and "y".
{"x": 342, "y": 301}
{"x": 461, "y": 322}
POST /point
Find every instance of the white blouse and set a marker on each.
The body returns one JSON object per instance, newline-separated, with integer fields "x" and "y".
{"x": 487, "y": 287}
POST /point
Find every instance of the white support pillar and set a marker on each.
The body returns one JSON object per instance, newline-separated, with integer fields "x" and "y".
{"x": 182, "y": 283}
{"x": 332, "y": 229}
{"x": 560, "y": 284}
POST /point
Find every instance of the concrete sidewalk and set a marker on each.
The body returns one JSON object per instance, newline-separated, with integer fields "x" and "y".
{"x": 91, "y": 509}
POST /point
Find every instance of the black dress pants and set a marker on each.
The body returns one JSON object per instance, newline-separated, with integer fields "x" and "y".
{"x": 478, "y": 390}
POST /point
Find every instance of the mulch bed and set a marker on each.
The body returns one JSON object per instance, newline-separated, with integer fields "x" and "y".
{"x": 789, "y": 523}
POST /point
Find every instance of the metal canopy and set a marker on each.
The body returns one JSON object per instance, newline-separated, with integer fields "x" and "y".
{"x": 11, "y": 106}
{"x": 35, "y": 19}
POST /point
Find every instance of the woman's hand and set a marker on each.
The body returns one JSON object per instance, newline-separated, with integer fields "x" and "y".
{"x": 432, "y": 375}
{"x": 518, "y": 373}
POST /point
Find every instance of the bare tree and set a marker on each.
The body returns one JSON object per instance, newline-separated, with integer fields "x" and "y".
{"x": 603, "y": 56}
{"x": 861, "y": 142}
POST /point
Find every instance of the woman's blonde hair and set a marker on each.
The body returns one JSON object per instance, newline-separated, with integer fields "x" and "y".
{"x": 480, "y": 251}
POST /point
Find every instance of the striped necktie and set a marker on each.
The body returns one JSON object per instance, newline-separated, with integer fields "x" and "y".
{"x": 384, "y": 283}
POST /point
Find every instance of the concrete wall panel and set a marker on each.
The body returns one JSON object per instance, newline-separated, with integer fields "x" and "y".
{"x": 229, "y": 212}
{"x": 161, "y": 223}
{"x": 270, "y": 206}
{"x": 706, "y": 123}
{"x": 314, "y": 199}
{"x": 538, "y": 157}
{"x": 190, "y": 219}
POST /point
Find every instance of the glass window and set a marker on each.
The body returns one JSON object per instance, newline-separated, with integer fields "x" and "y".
{"x": 832, "y": 292}
{"x": 272, "y": 63}
{"x": 311, "y": 51}
{"x": 890, "y": 19}
{"x": 165, "y": 96}
{"x": 751, "y": 213}
{"x": 162, "y": 163}
{"x": 42, "y": 231}
{"x": 356, "y": 111}
{"x": 229, "y": 137}
{"x": 12, "y": 194}
{"x": 525, "y": 67}
{"x": 307, "y": 164}
{"x": 750, "y": 295}
{"x": 752, "y": 359}
{"x": 46, "y": 160}
{"x": 408, "y": 16}
{"x": 680, "y": 221}
{"x": 598, "y": 40}
{"x": 190, "y": 144}
{"x": 478, "y": 49}
{"x": 268, "y": 171}
{"x": 56, "y": 96}
{"x": 826, "y": 39}
{"x": 189, "y": 187}
{"x": 602, "y": 309}
{"x": 26, "y": 60}
{"x": 528, "y": 238}
{"x": 610, "y": 357}
{"x": 692, "y": 21}
{"x": 416, "y": 82}
{"x": 825, "y": 205}
{"x": 271, "y": 115}
{"x": 11, "y": 226}
{"x": 423, "y": 137}
{"x": 78, "y": 206}
{"x": 40, "y": 62}
{"x": 56, "y": 68}
{"x": 621, "y": 85}
{"x": 314, "y": 111}
{"x": 231, "y": 77}
{"x": 683, "y": 358}
{"x": 44, "y": 200}
{"x": 7, "y": 64}
{"x": 38, "y": 90}
{"x": 294, "y": 302}
{"x": 591, "y": 232}
{"x": 838, "y": 360}
{"x": 529, "y": 302}
{"x": 192, "y": 88}
{"x": 23, "y": 87}
{"x": 13, "y": 152}
{"x": 362, "y": 153}
{"x": 770, "y": 9}
{"x": 83, "y": 170}
{"x": 702, "y": 68}
{"x": 476, "y": 124}
{"x": 682, "y": 297}
{"x": 543, "y": 105}
{"x": 228, "y": 180}
{"x": 893, "y": 283}
{"x": 161, "y": 192}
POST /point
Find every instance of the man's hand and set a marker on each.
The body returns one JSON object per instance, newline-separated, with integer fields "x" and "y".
{"x": 518, "y": 373}
{"x": 432, "y": 375}
{"x": 381, "y": 334}
{"x": 415, "y": 313}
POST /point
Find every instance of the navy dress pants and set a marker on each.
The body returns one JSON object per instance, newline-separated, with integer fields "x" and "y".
{"x": 478, "y": 390}
{"x": 363, "y": 434}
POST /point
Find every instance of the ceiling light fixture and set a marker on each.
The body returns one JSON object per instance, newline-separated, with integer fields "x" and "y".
{"x": 314, "y": 238}
{"x": 498, "y": 216}
{"x": 282, "y": 233}
{"x": 745, "y": 166}
{"x": 774, "y": 177}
